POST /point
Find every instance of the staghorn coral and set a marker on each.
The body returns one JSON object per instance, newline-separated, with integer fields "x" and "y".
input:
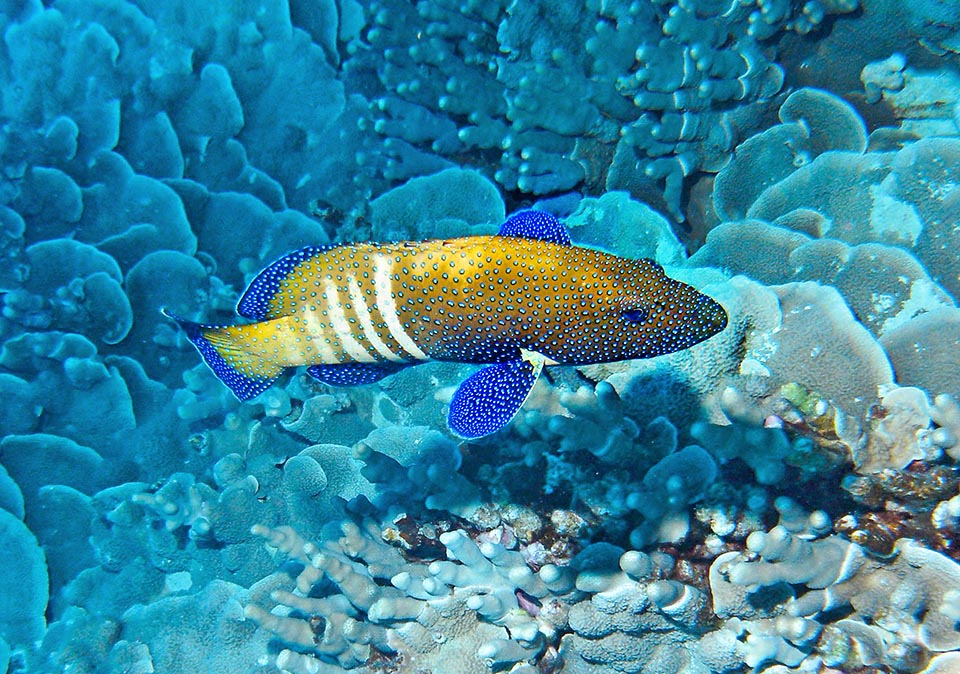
{"x": 483, "y": 603}
{"x": 900, "y": 431}
{"x": 609, "y": 608}
{"x": 423, "y": 610}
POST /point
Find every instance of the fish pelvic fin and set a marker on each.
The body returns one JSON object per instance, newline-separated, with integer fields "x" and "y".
{"x": 222, "y": 349}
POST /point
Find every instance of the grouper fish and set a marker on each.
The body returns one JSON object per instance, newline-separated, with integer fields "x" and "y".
{"x": 515, "y": 302}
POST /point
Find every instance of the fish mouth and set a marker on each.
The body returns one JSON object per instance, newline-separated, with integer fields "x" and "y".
{"x": 714, "y": 316}
{"x": 705, "y": 318}
{"x": 702, "y": 318}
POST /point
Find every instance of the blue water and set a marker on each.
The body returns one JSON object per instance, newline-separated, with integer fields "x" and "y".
{"x": 782, "y": 497}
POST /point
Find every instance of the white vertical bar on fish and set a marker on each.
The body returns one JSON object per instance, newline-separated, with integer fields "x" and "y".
{"x": 342, "y": 327}
{"x": 366, "y": 324}
{"x": 318, "y": 337}
{"x": 382, "y": 274}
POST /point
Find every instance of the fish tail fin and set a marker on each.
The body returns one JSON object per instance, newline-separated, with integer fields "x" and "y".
{"x": 221, "y": 348}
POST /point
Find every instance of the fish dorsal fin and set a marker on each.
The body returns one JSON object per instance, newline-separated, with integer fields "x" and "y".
{"x": 536, "y": 225}
{"x": 487, "y": 400}
{"x": 255, "y": 302}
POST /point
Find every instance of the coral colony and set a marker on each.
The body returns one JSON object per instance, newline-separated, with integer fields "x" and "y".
{"x": 765, "y": 482}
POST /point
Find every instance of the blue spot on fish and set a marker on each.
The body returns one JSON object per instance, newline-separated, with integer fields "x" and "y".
{"x": 255, "y": 302}
{"x": 354, "y": 314}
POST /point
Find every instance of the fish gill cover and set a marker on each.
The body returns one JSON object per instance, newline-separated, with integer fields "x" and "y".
{"x": 780, "y": 498}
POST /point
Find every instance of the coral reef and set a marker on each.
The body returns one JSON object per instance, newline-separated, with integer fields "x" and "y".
{"x": 660, "y": 91}
{"x": 357, "y": 600}
{"x": 897, "y": 613}
{"x": 783, "y": 498}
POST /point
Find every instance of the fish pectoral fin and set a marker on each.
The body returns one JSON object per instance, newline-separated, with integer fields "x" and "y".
{"x": 487, "y": 400}
{"x": 354, "y": 374}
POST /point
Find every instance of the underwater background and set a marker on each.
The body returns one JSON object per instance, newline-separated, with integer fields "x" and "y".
{"x": 780, "y": 498}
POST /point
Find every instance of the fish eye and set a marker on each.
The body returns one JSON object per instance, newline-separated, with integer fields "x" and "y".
{"x": 636, "y": 314}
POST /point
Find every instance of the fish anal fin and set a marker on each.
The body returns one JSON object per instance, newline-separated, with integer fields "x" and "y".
{"x": 354, "y": 374}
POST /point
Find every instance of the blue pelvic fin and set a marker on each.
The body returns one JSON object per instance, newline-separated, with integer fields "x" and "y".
{"x": 536, "y": 225}
{"x": 354, "y": 374}
{"x": 487, "y": 400}
{"x": 255, "y": 302}
{"x": 243, "y": 386}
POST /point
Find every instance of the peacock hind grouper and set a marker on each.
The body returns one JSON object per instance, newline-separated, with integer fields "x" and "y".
{"x": 513, "y": 302}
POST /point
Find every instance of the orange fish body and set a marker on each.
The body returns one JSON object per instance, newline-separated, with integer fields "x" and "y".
{"x": 356, "y": 313}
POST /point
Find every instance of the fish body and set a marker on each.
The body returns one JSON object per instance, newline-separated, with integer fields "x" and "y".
{"x": 516, "y": 301}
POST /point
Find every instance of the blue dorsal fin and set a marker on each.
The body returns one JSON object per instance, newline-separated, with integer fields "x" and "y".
{"x": 255, "y": 302}
{"x": 487, "y": 400}
{"x": 536, "y": 225}
{"x": 354, "y": 374}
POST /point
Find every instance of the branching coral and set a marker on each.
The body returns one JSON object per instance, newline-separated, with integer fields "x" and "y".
{"x": 898, "y": 611}
{"x": 660, "y": 91}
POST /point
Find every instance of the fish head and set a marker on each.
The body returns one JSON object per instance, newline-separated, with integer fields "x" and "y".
{"x": 624, "y": 309}
{"x": 652, "y": 314}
